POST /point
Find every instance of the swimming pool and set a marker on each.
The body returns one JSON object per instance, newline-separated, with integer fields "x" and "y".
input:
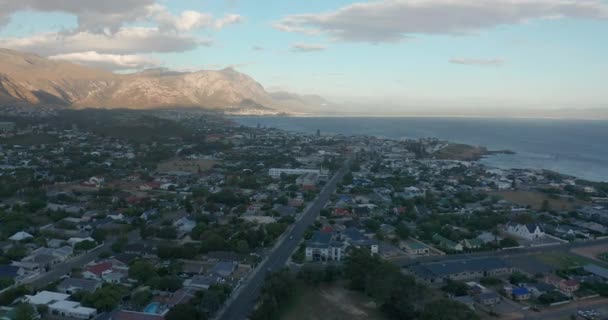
{"x": 152, "y": 308}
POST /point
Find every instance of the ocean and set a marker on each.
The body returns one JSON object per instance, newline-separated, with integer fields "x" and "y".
{"x": 574, "y": 147}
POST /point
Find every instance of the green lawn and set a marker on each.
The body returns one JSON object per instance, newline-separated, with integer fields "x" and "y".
{"x": 329, "y": 302}
{"x": 562, "y": 260}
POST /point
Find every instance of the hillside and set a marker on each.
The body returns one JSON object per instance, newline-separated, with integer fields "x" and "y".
{"x": 33, "y": 80}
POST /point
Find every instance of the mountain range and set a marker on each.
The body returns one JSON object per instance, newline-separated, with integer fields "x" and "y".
{"x": 29, "y": 79}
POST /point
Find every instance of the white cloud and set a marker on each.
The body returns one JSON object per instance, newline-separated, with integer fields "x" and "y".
{"x": 109, "y": 61}
{"x": 394, "y": 20}
{"x": 125, "y": 41}
{"x": 186, "y": 21}
{"x": 227, "y": 20}
{"x": 307, "y": 47}
{"x": 478, "y": 62}
{"x": 92, "y": 15}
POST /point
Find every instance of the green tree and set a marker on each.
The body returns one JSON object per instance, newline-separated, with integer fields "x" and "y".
{"x": 25, "y": 311}
{"x": 142, "y": 271}
{"x": 185, "y": 312}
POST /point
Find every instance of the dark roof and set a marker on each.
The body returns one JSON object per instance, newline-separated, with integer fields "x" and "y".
{"x": 320, "y": 239}
{"x": 7, "y": 271}
{"x": 445, "y": 269}
{"x": 81, "y": 284}
{"x": 520, "y": 291}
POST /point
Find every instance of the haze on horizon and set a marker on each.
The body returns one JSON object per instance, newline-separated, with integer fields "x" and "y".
{"x": 537, "y": 58}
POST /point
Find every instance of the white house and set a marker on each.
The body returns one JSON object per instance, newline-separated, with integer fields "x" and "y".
{"x": 59, "y": 305}
{"x": 525, "y": 231}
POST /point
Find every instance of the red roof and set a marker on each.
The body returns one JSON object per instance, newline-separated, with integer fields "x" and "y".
{"x": 341, "y": 212}
{"x": 99, "y": 268}
{"x": 132, "y": 315}
{"x": 327, "y": 229}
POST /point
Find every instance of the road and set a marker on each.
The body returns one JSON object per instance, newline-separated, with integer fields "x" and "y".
{"x": 564, "y": 312}
{"x": 59, "y": 270}
{"x": 244, "y": 298}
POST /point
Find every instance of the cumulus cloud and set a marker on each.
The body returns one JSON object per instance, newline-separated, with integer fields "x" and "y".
{"x": 92, "y": 15}
{"x": 227, "y": 20}
{"x": 394, "y": 20}
{"x": 112, "y": 62}
{"x": 110, "y": 33}
{"x": 478, "y": 62}
{"x": 307, "y": 47}
{"x": 125, "y": 41}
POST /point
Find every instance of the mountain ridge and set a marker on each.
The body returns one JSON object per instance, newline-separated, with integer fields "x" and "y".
{"x": 29, "y": 79}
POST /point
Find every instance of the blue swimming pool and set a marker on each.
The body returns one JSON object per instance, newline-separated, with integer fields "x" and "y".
{"x": 152, "y": 308}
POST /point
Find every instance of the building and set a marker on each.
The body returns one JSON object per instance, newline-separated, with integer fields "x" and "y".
{"x": 416, "y": 248}
{"x": 308, "y": 181}
{"x": 521, "y": 294}
{"x": 72, "y": 285}
{"x": 438, "y": 272}
{"x": 525, "y": 231}
{"x": 321, "y": 247}
{"x": 59, "y": 305}
{"x": 447, "y": 243}
{"x": 489, "y": 298}
{"x": 597, "y": 271}
{"x": 277, "y": 172}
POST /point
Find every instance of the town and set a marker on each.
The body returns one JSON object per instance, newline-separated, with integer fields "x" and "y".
{"x": 164, "y": 214}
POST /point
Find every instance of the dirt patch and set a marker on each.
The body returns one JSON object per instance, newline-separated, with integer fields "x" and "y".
{"x": 330, "y": 302}
{"x": 535, "y": 200}
{"x": 592, "y": 252}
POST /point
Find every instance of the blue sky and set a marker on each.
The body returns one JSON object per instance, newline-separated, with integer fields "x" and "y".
{"x": 445, "y": 54}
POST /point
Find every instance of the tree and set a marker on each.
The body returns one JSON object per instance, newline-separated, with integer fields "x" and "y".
{"x": 444, "y": 309}
{"x": 141, "y": 298}
{"x": 85, "y": 245}
{"x": 185, "y": 312}
{"x": 142, "y": 271}
{"x": 25, "y": 311}
{"x": 456, "y": 288}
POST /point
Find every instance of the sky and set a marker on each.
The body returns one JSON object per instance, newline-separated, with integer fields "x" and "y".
{"x": 444, "y": 54}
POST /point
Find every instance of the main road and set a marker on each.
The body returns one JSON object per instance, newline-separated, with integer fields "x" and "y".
{"x": 244, "y": 298}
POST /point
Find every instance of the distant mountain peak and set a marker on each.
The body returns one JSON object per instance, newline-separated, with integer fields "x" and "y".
{"x": 34, "y": 80}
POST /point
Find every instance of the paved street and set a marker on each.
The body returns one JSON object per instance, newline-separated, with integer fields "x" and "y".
{"x": 64, "y": 268}
{"x": 244, "y": 300}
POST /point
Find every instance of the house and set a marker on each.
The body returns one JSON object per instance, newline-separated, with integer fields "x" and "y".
{"x": 102, "y": 271}
{"x": 10, "y": 272}
{"x": 539, "y": 288}
{"x": 224, "y": 268}
{"x": 474, "y": 243}
{"x": 597, "y": 271}
{"x": 149, "y": 214}
{"x": 321, "y": 247}
{"x": 21, "y": 236}
{"x": 525, "y": 231}
{"x": 59, "y": 305}
{"x": 416, "y": 248}
{"x": 72, "y": 285}
{"x": 488, "y": 298}
{"x": 520, "y": 294}
{"x": 447, "y": 243}
{"x": 569, "y": 286}
{"x": 202, "y": 281}
{"x": 184, "y": 225}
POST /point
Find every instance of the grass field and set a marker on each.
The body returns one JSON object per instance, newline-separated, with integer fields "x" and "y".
{"x": 332, "y": 302}
{"x": 535, "y": 199}
{"x": 563, "y": 260}
{"x": 30, "y": 140}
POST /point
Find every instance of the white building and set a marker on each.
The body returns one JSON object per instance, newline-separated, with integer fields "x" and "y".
{"x": 59, "y": 305}
{"x": 525, "y": 231}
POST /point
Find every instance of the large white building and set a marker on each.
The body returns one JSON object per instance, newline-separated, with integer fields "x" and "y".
{"x": 525, "y": 231}
{"x": 276, "y": 172}
{"x": 59, "y": 305}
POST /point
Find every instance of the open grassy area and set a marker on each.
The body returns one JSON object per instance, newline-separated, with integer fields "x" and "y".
{"x": 29, "y": 140}
{"x": 331, "y": 302}
{"x": 535, "y": 199}
{"x": 562, "y": 260}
